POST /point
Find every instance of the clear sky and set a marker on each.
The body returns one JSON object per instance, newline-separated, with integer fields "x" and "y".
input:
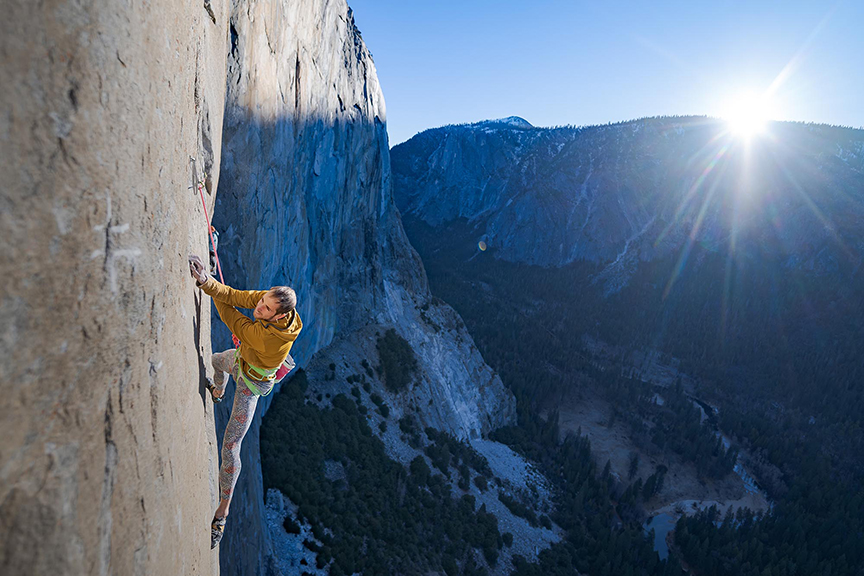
{"x": 578, "y": 62}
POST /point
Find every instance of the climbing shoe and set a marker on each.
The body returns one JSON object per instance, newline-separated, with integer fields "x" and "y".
{"x": 217, "y": 529}
{"x": 212, "y": 389}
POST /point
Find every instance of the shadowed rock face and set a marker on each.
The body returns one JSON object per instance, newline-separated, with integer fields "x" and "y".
{"x": 109, "y": 456}
{"x": 305, "y": 200}
{"x": 617, "y": 195}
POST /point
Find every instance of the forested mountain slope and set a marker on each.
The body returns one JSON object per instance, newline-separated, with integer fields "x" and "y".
{"x": 736, "y": 261}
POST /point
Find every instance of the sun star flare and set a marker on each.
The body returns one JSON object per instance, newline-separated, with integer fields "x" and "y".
{"x": 748, "y": 115}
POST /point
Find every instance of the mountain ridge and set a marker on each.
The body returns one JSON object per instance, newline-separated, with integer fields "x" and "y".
{"x": 738, "y": 263}
{"x": 556, "y": 195}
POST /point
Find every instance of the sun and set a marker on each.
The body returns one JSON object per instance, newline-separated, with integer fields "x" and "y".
{"x": 747, "y": 115}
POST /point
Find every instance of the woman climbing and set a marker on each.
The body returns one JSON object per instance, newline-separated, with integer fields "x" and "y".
{"x": 264, "y": 346}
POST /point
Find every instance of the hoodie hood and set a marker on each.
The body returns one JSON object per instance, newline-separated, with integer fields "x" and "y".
{"x": 287, "y": 329}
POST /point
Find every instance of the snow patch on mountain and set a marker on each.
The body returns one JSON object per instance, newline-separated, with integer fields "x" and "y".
{"x": 514, "y": 121}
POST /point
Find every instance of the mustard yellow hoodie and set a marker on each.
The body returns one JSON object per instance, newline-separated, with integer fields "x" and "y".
{"x": 262, "y": 344}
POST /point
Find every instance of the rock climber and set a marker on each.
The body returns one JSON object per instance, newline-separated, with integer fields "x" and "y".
{"x": 264, "y": 346}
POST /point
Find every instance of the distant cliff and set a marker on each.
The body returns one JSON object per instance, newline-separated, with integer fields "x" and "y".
{"x": 631, "y": 192}
{"x": 741, "y": 258}
{"x": 731, "y": 266}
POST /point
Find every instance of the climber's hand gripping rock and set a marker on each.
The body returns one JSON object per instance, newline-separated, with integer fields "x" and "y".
{"x": 197, "y": 269}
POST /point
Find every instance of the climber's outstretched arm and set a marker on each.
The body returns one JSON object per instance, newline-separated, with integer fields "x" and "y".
{"x": 239, "y": 298}
{"x": 221, "y": 292}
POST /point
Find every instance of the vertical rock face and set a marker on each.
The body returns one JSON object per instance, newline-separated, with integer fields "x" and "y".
{"x": 305, "y": 200}
{"x": 108, "y": 458}
{"x": 305, "y": 192}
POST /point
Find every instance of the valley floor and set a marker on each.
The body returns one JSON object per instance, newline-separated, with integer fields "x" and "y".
{"x": 683, "y": 491}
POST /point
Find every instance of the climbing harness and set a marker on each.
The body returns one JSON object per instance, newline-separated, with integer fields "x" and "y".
{"x": 273, "y": 376}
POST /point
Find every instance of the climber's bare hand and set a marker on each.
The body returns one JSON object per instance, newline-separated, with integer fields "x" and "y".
{"x": 197, "y": 269}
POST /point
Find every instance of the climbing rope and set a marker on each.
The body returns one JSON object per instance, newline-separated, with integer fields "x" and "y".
{"x": 210, "y": 230}
{"x": 234, "y": 338}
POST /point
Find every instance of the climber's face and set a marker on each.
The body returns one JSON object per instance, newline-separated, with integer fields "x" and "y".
{"x": 266, "y": 309}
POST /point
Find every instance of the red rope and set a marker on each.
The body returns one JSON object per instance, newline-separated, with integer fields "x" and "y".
{"x": 234, "y": 338}
{"x": 210, "y": 230}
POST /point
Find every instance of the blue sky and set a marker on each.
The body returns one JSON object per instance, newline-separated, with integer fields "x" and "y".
{"x": 557, "y": 62}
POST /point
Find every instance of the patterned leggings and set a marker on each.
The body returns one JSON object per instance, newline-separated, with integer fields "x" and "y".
{"x": 241, "y": 418}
